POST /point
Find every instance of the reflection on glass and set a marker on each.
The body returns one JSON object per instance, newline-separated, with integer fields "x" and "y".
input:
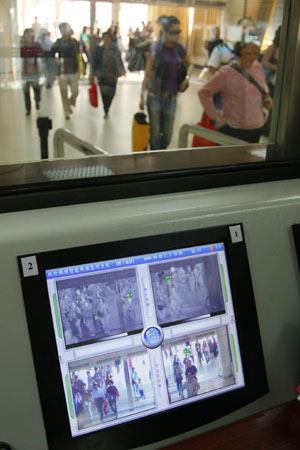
{"x": 171, "y": 57}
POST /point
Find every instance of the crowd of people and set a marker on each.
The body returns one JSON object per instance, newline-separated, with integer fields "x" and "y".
{"x": 237, "y": 96}
{"x": 99, "y": 393}
{"x": 185, "y": 370}
{"x": 184, "y": 290}
{"x": 100, "y": 309}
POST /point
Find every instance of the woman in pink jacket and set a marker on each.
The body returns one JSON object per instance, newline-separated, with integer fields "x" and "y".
{"x": 244, "y": 93}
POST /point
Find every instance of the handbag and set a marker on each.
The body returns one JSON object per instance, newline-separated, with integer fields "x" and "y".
{"x": 93, "y": 95}
{"x": 181, "y": 72}
{"x": 199, "y": 141}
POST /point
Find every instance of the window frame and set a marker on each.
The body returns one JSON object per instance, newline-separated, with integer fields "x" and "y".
{"x": 23, "y": 186}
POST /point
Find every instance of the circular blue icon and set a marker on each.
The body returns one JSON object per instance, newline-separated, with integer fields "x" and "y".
{"x": 152, "y": 337}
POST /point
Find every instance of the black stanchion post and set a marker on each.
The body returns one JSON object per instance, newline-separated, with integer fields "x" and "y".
{"x": 44, "y": 124}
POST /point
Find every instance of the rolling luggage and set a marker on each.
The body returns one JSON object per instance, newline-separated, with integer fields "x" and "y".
{"x": 140, "y": 132}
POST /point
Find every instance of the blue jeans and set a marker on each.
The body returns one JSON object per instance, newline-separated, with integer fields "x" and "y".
{"x": 161, "y": 110}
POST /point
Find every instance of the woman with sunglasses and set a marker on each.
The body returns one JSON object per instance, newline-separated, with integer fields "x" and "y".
{"x": 166, "y": 61}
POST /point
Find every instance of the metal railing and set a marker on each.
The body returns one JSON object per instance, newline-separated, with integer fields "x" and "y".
{"x": 62, "y": 136}
{"x": 211, "y": 135}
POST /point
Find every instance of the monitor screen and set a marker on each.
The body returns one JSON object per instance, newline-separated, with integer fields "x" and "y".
{"x": 138, "y": 334}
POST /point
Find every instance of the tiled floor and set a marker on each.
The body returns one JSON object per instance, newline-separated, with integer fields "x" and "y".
{"x": 19, "y": 134}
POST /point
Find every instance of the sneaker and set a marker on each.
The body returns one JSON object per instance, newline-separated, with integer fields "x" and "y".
{"x": 37, "y": 105}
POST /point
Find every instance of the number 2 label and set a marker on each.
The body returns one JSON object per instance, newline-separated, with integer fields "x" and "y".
{"x": 29, "y": 266}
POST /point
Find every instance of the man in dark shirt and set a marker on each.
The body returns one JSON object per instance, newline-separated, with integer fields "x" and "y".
{"x": 190, "y": 368}
{"x": 65, "y": 51}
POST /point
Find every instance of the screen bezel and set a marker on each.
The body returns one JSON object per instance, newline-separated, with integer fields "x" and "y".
{"x": 155, "y": 427}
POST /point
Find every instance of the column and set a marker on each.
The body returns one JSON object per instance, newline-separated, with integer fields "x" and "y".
{"x": 224, "y": 351}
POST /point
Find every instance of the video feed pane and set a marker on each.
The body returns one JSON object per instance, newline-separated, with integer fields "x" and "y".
{"x": 107, "y": 389}
{"x": 187, "y": 288}
{"x": 97, "y": 306}
{"x": 198, "y": 364}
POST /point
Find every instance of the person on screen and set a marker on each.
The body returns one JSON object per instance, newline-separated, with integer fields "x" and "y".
{"x": 75, "y": 317}
{"x": 99, "y": 397}
{"x": 90, "y": 382}
{"x": 191, "y": 386}
{"x": 134, "y": 382}
{"x": 77, "y": 384}
{"x": 185, "y": 361}
{"x": 175, "y": 305}
{"x": 215, "y": 347}
{"x": 175, "y": 361}
{"x": 191, "y": 278}
{"x": 210, "y": 347}
{"x": 98, "y": 378}
{"x": 178, "y": 378}
{"x": 189, "y": 351}
{"x": 205, "y": 351}
{"x": 198, "y": 351}
{"x": 190, "y": 368}
{"x": 141, "y": 389}
{"x": 102, "y": 316}
{"x": 111, "y": 394}
{"x": 87, "y": 400}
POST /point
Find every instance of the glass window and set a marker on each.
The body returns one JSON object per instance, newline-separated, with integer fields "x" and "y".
{"x": 166, "y": 76}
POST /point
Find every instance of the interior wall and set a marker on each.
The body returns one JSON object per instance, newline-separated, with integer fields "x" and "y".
{"x": 155, "y": 11}
{"x": 267, "y": 212}
{"x": 204, "y": 21}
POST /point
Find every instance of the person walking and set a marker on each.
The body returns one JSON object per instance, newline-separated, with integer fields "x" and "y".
{"x": 50, "y": 65}
{"x": 165, "y": 76}
{"x": 107, "y": 67}
{"x": 178, "y": 378}
{"x": 270, "y": 63}
{"x": 31, "y": 53}
{"x": 135, "y": 382}
{"x": 112, "y": 393}
{"x": 65, "y": 49}
{"x": 99, "y": 397}
{"x": 84, "y": 47}
{"x": 191, "y": 386}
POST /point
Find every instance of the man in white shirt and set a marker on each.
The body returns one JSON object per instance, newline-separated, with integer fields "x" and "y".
{"x": 220, "y": 56}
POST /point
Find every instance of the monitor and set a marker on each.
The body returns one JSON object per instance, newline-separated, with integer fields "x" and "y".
{"x": 130, "y": 336}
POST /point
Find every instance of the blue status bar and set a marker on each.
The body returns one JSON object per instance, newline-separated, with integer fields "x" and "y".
{"x": 132, "y": 261}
